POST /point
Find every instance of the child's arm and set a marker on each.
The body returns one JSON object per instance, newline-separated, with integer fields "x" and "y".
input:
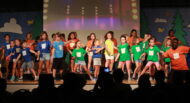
{"x": 52, "y": 55}
{"x": 99, "y": 49}
{"x": 116, "y": 58}
{"x": 3, "y": 54}
{"x": 132, "y": 55}
{"x": 32, "y": 51}
{"x": 143, "y": 55}
{"x": 158, "y": 56}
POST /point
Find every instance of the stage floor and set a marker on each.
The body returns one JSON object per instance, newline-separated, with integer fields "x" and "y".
{"x": 59, "y": 82}
{"x": 13, "y": 86}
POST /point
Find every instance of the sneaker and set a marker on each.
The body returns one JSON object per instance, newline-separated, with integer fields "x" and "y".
{"x": 36, "y": 78}
{"x": 91, "y": 78}
{"x": 12, "y": 78}
{"x": 21, "y": 78}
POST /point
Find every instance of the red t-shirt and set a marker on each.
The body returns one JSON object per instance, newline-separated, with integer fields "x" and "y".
{"x": 71, "y": 44}
{"x": 178, "y": 58}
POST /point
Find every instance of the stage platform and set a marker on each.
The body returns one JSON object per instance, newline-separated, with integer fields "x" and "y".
{"x": 16, "y": 85}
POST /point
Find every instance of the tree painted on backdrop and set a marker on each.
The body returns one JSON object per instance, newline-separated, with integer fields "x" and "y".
{"x": 144, "y": 28}
{"x": 179, "y": 27}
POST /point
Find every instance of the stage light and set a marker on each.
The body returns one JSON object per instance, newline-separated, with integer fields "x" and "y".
{"x": 45, "y": 11}
{"x": 134, "y": 11}
{"x": 45, "y": 17}
{"x": 134, "y": 4}
{"x": 46, "y": 5}
{"x": 135, "y": 17}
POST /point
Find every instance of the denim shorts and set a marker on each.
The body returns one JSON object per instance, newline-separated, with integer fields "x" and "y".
{"x": 45, "y": 56}
{"x": 29, "y": 65}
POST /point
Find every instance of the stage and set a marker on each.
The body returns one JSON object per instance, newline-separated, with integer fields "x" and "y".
{"x": 16, "y": 85}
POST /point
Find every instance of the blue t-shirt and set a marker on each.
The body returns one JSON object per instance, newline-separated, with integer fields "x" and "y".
{"x": 44, "y": 46}
{"x": 7, "y": 46}
{"x": 58, "y": 46}
{"x": 16, "y": 50}
{"x": 96, "y": 55}
{"x": 26, "y": 54}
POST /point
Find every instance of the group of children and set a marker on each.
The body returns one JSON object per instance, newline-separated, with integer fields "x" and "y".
{"x": 52, "y": 55}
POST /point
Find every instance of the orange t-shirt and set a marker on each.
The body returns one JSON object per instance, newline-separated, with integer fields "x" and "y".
{"x": 130, "y": 40}
{"x": 178, "y": 58}
{"x": 30, "y": 44}
{"x": 89, "y": 44}
{"x": 71, "y": 44}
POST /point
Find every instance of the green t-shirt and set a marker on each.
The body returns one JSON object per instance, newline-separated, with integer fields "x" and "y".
{"x": 152, "y": 54}
{"x": 137, "y": 52}
{"x": 165, "y": 49}
{"x": 124, "y": 52}
{"x": 144, "y": 45}
{"x": 78, "y": 54}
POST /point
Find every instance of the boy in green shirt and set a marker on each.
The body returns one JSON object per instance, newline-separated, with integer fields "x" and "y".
{"x": 124, "y": 56}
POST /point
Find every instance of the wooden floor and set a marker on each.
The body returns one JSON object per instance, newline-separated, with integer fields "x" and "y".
{"x": 59, "y": 82}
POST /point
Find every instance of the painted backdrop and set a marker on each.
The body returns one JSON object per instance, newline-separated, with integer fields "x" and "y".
{"x": 160, "y": 20}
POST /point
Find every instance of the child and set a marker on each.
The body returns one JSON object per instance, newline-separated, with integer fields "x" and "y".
{"x": 78, "y": 55}
{"x": 57, "y": 55}
{"x": 124, "y": 56}
{"x": 72, "y": 39}
{"x": 109, "y": 50}
{"x": 135, "y": 57}
{"x": 43, "y": 48}
{"x": 6, "y": 51}
{"x": 165, "y": 47}
{"x": 89, "y": 44}
{"x": 153, "y": 56}
{"x": 28, "y": 63}
{"x": 16, "y": 64}
{"x": 97, "y": 57}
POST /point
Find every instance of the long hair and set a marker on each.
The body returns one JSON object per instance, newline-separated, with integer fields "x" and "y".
{"x": 42, "y": 33}
{"x": 74, "y": 33}
{"x": 109, "y": 32}
{"x": 29, "y": 33}
{"x": 91, "y": 35}
{"x": 133, "y": 30}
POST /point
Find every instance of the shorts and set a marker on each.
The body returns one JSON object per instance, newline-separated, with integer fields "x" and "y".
{"x": 97, "y": 61}
{"x": 90, "y": 53}
{"x": 140, "y": 61}
{"x": 80, "y": 62}
{"x": 58, "y": 63}
{"x": 168, "y": 63}
{"x": 109, "y": 57}
{"x": 29, "y": 65}
{"x": 149, "y": 63}
{"x": 45, "y": 56}
{"x": 124, "y": 62}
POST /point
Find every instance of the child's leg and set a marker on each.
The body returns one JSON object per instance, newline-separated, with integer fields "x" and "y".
{"x": 54, "y": 72}
{"x": 33, "y": 72}
{"x": 7, "y": 69}
{"x": 157, "y": 65}
{"x": 14, "y": 68}
{"x": 87, "y": 71}
{"x": 97, "y": 70}
{"x": 72, "y": 65}
{"x": 107, "y": 63}
{"x": 111, "y": 64}
{"x": 128, "y": 66}
{"x": 40, "y": 67}
{"x": 18, "y": 69}
{"x": 146, "y": 67}
{"x": 75, "y": 67}
{"x": 166, "y": 69}
{"x": 121, "y": 65}
{"x": 89, "y": 61}
{"x": 136, "y": 69}
{"x": 48, "y": 66}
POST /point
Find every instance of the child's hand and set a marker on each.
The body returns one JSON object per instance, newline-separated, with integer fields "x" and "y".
{"x": 115, "y": 60}
{"x": 132, "y": 61}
